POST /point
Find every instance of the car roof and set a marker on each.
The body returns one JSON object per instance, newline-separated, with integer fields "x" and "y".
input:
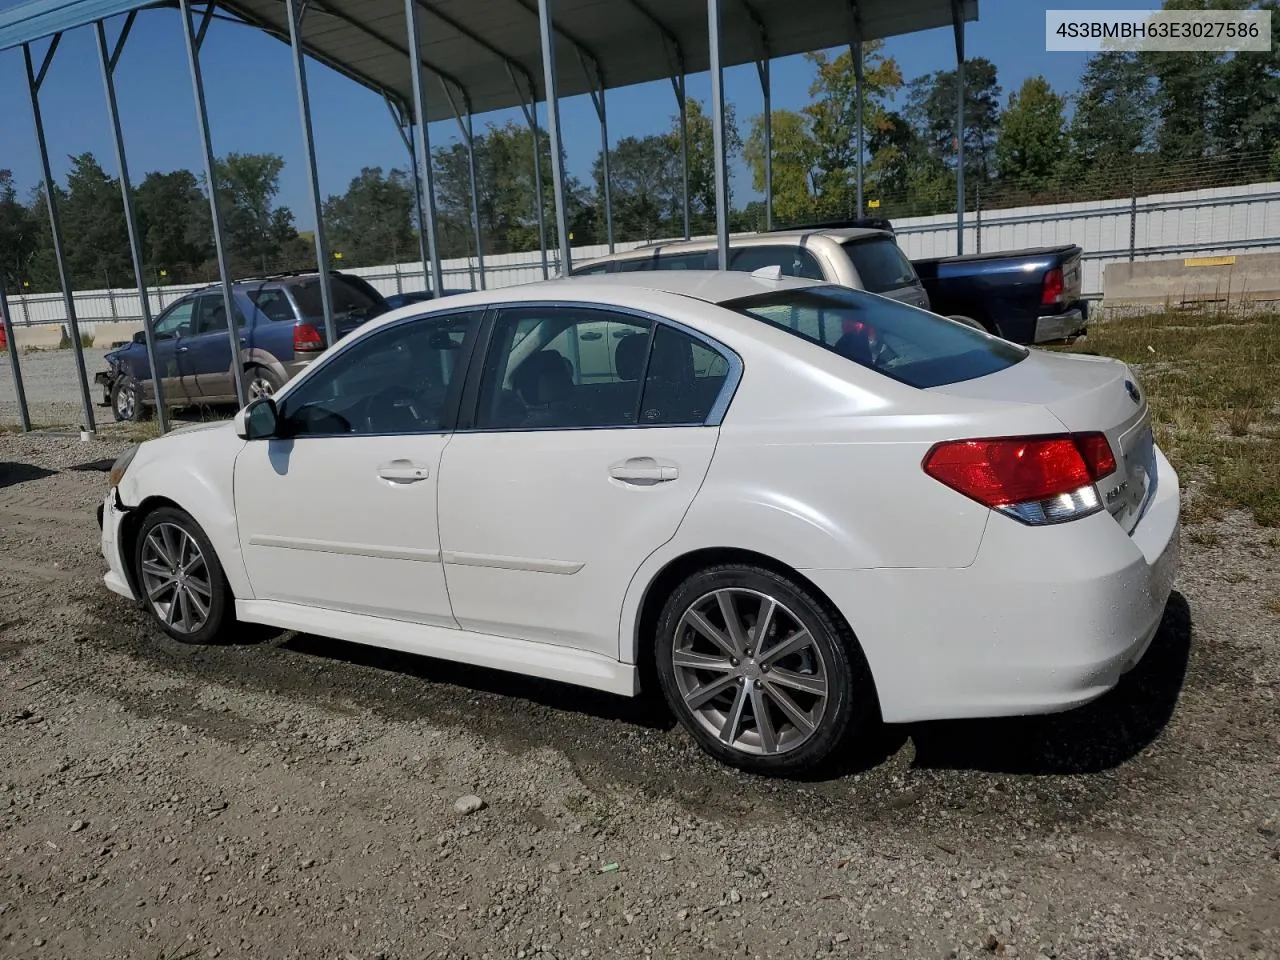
{"x": 697, "y": 245}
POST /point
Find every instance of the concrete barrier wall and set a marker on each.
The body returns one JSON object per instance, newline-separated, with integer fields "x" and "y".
{"x": 1187, "y": 280}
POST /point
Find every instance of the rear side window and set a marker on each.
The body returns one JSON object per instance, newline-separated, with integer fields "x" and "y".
{"x": 686, "y": 261}
{"x": 273, "y": 303}
{"x": 880, "y": 264}
{"x": 909, "y": 345}
{"x": 794, "y": 261}
{"x": 591, "y": 271}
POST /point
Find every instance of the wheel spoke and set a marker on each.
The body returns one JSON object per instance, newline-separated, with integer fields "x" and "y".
{"x": 706, "y": 691}
{"x": 170, "y": 547}
{"x": 200, "y": 608}
{"x": 729, "y": 731}
{"x": 763, "y": 621}
{"x": 764, "y": 722}
{"x": 788, "y": 706}
{"x": 184, "y": 541}
{"x": 160, "y": 588}
{"x": 732, "y": 622}
{"x": 797, "y": 641}
{"x": 804, "y": 682}
{"x": 692, "y": 660}
{"x": 704, "y": 627}
{"x": 172, "y": 612}
{"x": 156, "y": 541}
{"x": 197, "y": 585}
{"x": 184, "y": 608}
{"x": 197, "y": 559}
{"x": 153, "y": 569}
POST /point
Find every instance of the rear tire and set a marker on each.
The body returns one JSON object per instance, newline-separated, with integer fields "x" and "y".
{"x": 261, "y": 382}
{"x": 780, "y": 705}
{"x": 126, "y": 402}
{"x": 180, "y": 578}
{"x": 976, "y": 324}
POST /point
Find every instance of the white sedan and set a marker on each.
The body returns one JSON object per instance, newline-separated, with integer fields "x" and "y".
{"x": 803, "y": 509}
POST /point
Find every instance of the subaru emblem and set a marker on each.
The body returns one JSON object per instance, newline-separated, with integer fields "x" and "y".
{"x": 1132, "y": 389}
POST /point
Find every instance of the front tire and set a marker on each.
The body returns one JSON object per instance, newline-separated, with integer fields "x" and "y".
{"x": 126, "y": 401}
{"x": 761, "y": 671}
{"x": 181, "y": 580}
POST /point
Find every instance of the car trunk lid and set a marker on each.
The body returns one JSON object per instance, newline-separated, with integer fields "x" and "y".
{"x": 1085, "y": 394}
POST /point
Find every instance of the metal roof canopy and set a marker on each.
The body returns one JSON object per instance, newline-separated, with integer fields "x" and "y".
{"x": 470, "y": 43}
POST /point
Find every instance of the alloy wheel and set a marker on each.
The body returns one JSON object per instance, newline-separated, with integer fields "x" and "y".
{"x": 750, "y": 671}
{"x": 176, "y": 578}
{"x": 260, "y": 387}
{"x": 126, "y": 401}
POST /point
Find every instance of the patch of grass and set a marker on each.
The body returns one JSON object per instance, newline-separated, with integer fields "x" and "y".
{"x": 10, "y": 429}
{"x": 1273, "y": 604}
{"x": 1204, "y": 538}
{"x": 1214, "y": 390}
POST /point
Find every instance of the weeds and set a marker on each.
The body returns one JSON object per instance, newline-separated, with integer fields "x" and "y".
{"x": 1215, "y": 401}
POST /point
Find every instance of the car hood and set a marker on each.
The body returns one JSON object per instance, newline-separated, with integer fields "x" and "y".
{"x": 190, "y": 428}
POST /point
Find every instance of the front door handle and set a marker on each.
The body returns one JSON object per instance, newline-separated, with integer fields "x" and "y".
{"x": 183, "y": 349}
{"x": 403, "y": 471}
{"x": 644, "y": 471}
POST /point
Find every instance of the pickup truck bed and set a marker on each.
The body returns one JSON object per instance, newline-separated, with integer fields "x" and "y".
{"x": 1028, "y": 296}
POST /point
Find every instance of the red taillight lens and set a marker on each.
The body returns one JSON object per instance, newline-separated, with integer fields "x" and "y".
{"x": 306, "y": 338}
{"x": 1009, "y": 470}
{"x": 1096, "y": 450}
{"x": 1054, "y": 287}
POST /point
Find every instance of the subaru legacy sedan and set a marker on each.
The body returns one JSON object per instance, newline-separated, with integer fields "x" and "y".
{"x": 803, "y": 509}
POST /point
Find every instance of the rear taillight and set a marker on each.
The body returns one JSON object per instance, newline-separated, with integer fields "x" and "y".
{"x": 1055, "y": 287}
{"x": 1037, "y": 480}
{"x": 307, "y": 338}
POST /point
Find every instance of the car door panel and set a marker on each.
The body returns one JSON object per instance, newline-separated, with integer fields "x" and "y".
{"x": 208, "y": 365}
{"x": 171, "y": 331}
{"x": 342, "y": 515}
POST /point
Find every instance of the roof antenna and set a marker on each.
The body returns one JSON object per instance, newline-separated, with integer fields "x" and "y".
{"x": 771, "y": 272}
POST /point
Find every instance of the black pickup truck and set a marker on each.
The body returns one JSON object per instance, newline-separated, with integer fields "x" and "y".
{"x": 1028, "y": 296}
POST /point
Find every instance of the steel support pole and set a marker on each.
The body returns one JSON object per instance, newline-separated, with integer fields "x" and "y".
{"x": 55, "y": 225}
{"x": 469, "y": 141}
{"x": 718, "y": 138}
{"x": 417, "y": 206}
{"x": 766, "y": 91}
{"x": 15, "y": 367}
{"x": 553, "y": 130}
{"x": 215, "y": 207}
{"x": 598, "y": 101}
{"x": 957, "y": 23}
{"x": 530, "y": 111}
{"x": 855, "y": 50}
{"x": 682, "y": 103}
{"x": 296, "y": 11}
{"x": 423, "y": 144}
{"x": 108, "y": 62}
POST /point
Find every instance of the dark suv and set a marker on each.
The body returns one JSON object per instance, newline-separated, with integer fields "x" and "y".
{"x": 281, "y": 326}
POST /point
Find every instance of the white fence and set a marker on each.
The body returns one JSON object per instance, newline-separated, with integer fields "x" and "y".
{"x": 1220, "y": 220}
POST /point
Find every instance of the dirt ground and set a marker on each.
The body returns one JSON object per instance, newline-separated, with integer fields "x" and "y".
{"x": 289, "y": 796}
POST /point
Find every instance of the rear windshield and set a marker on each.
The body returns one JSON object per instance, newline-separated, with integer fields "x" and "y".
{"x": 910, "y": 345}
{"x": 348, "y": 297}
{"x": 880, "y": 264}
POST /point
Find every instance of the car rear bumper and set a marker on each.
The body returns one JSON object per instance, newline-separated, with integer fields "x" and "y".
{"x": 1044, "y": 619}
{"x": 1061, "y": 326}
{"x": 110, "y": 517}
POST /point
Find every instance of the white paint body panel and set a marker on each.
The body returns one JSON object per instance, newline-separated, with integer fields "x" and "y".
{"x": 540, "y": 563}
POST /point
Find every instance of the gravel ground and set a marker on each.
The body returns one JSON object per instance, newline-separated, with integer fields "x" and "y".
{"x": 289, "y": 796}
{"x": 52, "y": 387}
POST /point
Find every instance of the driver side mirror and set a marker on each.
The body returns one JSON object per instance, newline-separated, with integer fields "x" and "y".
{"x": 258, "y": 420}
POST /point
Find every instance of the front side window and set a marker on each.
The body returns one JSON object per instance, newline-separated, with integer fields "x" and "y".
{"x": 571, "y": 368}
{"x": 910, "y": 345}
{"x": 881, "y": 264}
{"x": 211, "y": 314}
{"x": 176, "y": 321}
{"x": 399, "y": 380}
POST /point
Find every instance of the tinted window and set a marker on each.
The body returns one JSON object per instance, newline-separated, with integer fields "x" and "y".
{"x": 910, "y": 345}
{"x": 347, "y": 297}
{"x": 211, "y": 314}
{"x": 880, "y": 264}
{"x": 561, "y": 367}
{"x": 794, "y": 261}
{"x": 686, "y": 261}
{"x": 399, "y": 380}
{"x": 591, "y": 271}
{"x": 683, "y": 379}
{"x": 273, "y": 303}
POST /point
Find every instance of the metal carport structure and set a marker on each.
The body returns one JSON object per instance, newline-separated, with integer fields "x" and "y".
{"x": 435, "y": 59}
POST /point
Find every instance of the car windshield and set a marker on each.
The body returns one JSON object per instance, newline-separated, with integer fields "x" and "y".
{"x": 347, "y": 297}
{"x": 905, "y": 343}
{"x": 880, "y": 264}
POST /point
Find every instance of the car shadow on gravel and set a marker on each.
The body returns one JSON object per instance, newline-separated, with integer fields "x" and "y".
{"x": 12, "y": 472}
{"x": 1099, "y": 736}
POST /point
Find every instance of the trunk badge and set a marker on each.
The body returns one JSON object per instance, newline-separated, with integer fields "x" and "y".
{"x": 1131, "y": 388}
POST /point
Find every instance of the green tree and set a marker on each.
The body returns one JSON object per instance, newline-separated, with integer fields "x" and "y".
{"x": 260, "y": 234}
{"x": 931, "y": 108}
{"x": 646, "y": 187}
{"x": 702, "y": 169}
{"x": 19, "y": 235}
{"x": 95, "y": 241}
{"x": 1114, "y": 115}
{"x": 1032, "y": 134}
{"x": 372, "y": 223}
{"x": 795, "y": 164}
{"x": 173, "y": 223}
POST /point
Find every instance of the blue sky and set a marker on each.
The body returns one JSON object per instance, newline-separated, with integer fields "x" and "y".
{"x": 252, "y": 104}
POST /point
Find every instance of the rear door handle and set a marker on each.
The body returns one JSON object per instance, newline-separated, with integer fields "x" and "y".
{"x": 403, "y": 471}
{"x": 644, "y": 471}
